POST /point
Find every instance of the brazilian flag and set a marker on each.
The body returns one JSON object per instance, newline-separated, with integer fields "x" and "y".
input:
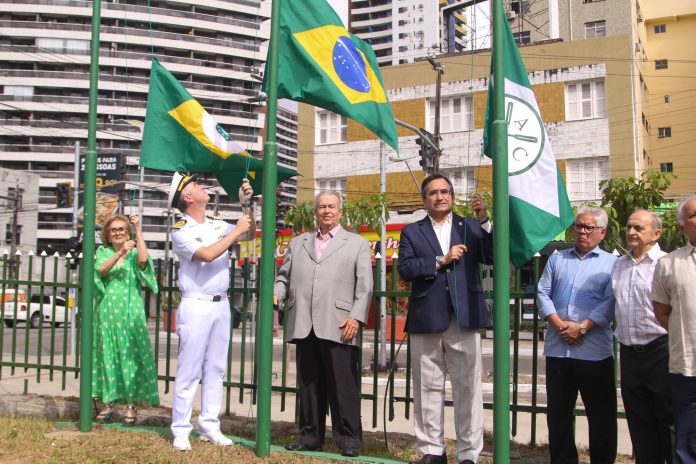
{"x": 180, "y": 135}
{"x": 322, "y": 64}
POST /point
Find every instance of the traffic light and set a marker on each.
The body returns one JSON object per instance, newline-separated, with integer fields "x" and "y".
{"x": 64, "y": 195}
{"x": 426, "y": 152}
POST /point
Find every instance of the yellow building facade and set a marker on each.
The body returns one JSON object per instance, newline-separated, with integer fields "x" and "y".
{"x": 668, "y": 70}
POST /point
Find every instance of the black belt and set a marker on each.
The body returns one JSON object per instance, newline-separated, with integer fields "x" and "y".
{"x": 658, "y": 342}
{"x": 204, "y": 296}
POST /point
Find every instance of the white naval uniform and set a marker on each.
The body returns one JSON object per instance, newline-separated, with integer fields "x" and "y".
{"x": 203, "y": 326}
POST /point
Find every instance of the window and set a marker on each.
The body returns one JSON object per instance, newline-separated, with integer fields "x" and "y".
{"x": 595, "y": 29}
{"x": 19, "y": 90}
{"x": 666, "y": 98}
{"x": 583, "y": 178}
{"x": 519, "y": 6}
{"x": 660, "y": 28}
{"x": 8, "y": 234}
{"x": 663, "y": 132}
{"x": 456, "y": 114}
{"x": 522, "y": 38}
{"x": 585, "y": 100}
{"x": 463, "y": 181}
{"x": 661, "y": 64}
{"x": 337, "y": 185}
{"x": 666, "y": 167}
{"x": 331, "y": 128}
{"x": 62, "y": 45}
{"x": 646, "y": 124}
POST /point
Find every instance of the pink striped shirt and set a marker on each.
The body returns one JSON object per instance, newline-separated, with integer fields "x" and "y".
{"x": 321, "y": 243}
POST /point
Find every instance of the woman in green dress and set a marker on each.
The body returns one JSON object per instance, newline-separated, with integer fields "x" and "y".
{"x": 123, "y": 366}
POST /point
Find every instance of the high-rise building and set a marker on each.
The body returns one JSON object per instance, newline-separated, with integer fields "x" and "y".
{"x": 404, "y": 30}
{"x": 212, "y": 47}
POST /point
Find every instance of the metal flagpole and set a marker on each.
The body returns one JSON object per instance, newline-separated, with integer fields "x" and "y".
{"x": 268, "y": 219}
{"x": 89, "y": 195}
{"x": 501, "y": 249}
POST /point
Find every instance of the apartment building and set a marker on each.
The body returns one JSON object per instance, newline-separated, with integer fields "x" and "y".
{"x": 211, "y": 46}
{"x": 666, "y": 66}
{"x": 584, "y": 90}
{"x": 401, "y": 31}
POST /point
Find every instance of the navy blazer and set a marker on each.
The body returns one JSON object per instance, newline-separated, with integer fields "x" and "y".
{"x": 430, "y": 305}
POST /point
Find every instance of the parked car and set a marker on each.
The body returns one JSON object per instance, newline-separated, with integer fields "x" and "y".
{"x": 9, "y": 300}
{"x": 45, "y": 304}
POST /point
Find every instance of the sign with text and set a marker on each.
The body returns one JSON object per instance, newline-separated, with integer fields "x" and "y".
{"x": 283, "y": 238}
{"x": 108, "y": 186}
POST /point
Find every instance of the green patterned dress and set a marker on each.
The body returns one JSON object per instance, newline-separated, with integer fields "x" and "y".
{"x": 123, "y": 366}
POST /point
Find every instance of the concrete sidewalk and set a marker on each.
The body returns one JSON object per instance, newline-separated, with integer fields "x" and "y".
{"x": 22, "y": 382}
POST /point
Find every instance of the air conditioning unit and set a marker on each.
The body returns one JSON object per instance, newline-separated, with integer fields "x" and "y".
{"x": 510, "y": 15}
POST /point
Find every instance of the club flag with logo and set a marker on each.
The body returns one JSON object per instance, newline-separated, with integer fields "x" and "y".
{"x": 180, "y": 135}
{"x": 322, "y": 64}
{"x": 539, "y": 206}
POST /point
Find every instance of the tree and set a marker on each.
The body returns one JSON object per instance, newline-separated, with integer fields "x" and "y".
{"x": 366, "y": 211}
{"x": 462, "y": 204}
{"x": 621, "y": 196}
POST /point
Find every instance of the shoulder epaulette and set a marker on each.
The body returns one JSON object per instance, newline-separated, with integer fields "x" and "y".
{"x": 179, "y": 224}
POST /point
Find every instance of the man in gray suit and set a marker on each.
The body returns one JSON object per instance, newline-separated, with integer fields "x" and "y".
{"x": 327, "y": 279}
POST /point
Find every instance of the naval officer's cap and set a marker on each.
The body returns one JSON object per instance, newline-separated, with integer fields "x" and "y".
{"x": 179, "y": 182}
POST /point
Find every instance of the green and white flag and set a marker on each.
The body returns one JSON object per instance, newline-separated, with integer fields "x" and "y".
{"x": 539, "y": 206}
{"x": 180, "y": 135}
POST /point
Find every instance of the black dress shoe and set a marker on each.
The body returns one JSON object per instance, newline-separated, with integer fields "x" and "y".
{"x": 350, "y": 452}
{"x": 302, "y": 447}
{"x": 430, "y": 459}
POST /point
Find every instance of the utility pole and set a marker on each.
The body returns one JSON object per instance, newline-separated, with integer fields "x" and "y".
{"x": 440, "y": 70}
{"x": 17, "y": 203}
{"x": 76, "y": 190}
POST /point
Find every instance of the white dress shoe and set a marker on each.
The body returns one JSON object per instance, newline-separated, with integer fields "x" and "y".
{"x": 216, "y": 437}
{"x": 182, "y": 443}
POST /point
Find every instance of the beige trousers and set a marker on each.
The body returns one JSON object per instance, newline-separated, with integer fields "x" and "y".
{"x": 456, "y": 351}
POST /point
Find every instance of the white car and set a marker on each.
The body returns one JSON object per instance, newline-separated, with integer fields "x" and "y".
{"x": 9, "y": 301}
{"x": 44, "y": 303}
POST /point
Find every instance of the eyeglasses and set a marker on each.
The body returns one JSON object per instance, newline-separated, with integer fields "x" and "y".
{"x": 117, "y": 230}
{"x": 585, "y": 228}
{"x": 443, "y": 192}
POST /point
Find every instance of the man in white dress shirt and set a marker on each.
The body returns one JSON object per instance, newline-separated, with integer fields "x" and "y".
{"x": 674, "y": 301}
{"x": 644, "y": 345}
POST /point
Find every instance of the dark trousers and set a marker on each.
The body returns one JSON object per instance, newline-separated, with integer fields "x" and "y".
{"x": 565, "y": 377}
{"x": 647, "y": 400}
{"x": 328, "y": 371}
{"x": 684, "y": 404}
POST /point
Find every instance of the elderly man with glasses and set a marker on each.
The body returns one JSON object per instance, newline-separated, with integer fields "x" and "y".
{"x": 575, "y": 298}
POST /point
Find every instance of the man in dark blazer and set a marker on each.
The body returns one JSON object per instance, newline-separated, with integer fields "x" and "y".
{"x": 440, "y": 256}
{"x": 327, "y": 279}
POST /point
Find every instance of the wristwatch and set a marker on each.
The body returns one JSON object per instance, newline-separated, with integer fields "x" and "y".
{"x": 438, "y": 260}
{"x": 583, "y": 328}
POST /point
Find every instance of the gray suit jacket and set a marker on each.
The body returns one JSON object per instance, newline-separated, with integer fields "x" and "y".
{"x": 323, "y": 293}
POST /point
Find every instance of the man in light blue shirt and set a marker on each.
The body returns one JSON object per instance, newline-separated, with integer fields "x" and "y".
{"x": 576, "y": 300}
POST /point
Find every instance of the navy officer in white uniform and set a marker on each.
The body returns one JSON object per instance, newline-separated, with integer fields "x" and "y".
{"x": 203, "y": 318}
